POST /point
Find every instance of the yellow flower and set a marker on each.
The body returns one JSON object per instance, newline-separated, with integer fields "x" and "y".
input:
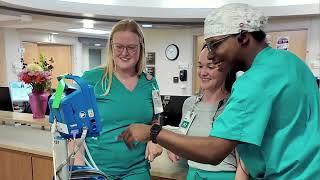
{"x": 34, "y": 67}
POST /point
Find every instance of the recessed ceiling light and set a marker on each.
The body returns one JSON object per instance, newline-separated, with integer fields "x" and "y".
{"x": 54, "y": 33}
{"x": 147, "y": 25}
{"x": 88, "y": 23}
{"x": 90, "y": 31}
{"x": 97, "y": 44}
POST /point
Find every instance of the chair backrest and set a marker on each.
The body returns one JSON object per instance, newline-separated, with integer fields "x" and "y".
{"x": 5, "y": 99}
{"x": 172, "y": 109}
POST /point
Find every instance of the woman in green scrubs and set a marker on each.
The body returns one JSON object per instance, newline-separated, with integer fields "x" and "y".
{"x": 124, "y": 96}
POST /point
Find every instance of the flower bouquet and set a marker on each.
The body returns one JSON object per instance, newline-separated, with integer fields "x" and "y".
{"x": 38, "y": 75}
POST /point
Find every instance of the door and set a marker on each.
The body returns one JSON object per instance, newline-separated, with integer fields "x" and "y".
{"x": 199, "y": 42}
{"x": 94, "y": 58}
{"x": 61, "y": 55}
{"x": 31, "y": 52}
{"x": 295, "y": 41}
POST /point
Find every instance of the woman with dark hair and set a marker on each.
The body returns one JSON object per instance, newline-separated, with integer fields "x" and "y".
{"x": 199, "y": 113}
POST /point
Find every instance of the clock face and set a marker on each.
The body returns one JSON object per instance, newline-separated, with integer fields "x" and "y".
{"x": 172, "y": 52}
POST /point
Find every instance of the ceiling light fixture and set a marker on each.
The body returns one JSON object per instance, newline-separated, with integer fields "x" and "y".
{"x": 97, "y": 45}
{"x": 147, "y": 25}
{"x": 26, "y": 18}
{"x": 54, "y": 33}
{"x": 90, "y": 31}
{"x": 88, "y": 23}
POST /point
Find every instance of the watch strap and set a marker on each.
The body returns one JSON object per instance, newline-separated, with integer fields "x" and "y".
{"x": 154, "y": 131}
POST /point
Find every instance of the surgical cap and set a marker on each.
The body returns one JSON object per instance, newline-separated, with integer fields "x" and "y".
{"x": 232, "y": 19}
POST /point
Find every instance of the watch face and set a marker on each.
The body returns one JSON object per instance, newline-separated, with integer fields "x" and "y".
{"x": 172, "y": 52}
{"x": 155, "y": 128}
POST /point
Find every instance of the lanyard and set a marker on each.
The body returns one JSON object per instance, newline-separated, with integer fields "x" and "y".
{"x": 190, "y": 115}
{"x": 198, "y": 99}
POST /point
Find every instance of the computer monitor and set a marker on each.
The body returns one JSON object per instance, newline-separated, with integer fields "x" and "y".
{"x": 172, "y": 109}
{"x": 19, "y": 91}
{"x": 5, "y": 99}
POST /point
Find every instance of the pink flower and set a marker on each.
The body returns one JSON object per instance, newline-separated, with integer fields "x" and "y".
{"x": 37, "y": 74}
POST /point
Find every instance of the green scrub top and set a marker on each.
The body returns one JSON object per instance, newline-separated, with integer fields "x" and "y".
{"x": 120, "y": 108}
{"x": 273, "y": 111}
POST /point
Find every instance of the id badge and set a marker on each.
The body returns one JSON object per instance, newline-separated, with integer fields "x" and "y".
{"x": 157, "y": 103}
{"x": 186, "y": 122}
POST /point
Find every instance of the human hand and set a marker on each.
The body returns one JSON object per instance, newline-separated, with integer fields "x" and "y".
{"x": 134, "y": 133}
{"x": 173, "y": 157}
{"x": 152, "y": 151}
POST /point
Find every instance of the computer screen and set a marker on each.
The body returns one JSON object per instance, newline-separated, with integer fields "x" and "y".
{"x": 19, "y": 91}
{"x": 172, "y": 109}
{"x": 5, "y": 99}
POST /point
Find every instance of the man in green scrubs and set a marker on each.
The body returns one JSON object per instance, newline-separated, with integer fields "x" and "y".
{"x": 272, "y": 115}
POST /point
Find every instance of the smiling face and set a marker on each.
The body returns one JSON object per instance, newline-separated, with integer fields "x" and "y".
{"x": 125, "y": 50}
{"x": 211, "y": 75}
{"x": 228, "y": 49}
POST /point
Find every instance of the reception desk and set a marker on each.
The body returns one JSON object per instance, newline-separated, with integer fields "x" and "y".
{"x": 25, "y": 147}
{"x": 26, "y": 151}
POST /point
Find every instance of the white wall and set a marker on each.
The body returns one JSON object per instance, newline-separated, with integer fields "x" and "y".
{"x": 3, "y": 80}
{"x": 156, "y": 41}
{"x": 313, "y": 46}
{"x": 11, "y": 53}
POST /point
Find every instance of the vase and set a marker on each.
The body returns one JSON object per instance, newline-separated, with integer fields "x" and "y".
{"x": 38, "y": 103}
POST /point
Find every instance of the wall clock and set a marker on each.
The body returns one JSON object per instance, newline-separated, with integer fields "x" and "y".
{"x": 172, "y": 52}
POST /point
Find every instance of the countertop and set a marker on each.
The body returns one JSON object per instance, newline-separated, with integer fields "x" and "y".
{"x": 20, "y": 132}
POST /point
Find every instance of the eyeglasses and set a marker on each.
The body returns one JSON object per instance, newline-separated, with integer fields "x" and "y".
{"x": 213, "y": 45}
{"x": 132, "y": 48}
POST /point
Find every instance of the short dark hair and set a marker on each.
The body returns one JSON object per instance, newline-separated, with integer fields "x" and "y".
{"x": 258, "y": 35}
{"x": 204, "y": 46}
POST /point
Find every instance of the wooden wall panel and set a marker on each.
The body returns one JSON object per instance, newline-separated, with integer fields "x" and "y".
{"x": 297, "y": 41}
{"x": 15, "y": 165}
{"x": 61, "y": 55}
{"x": 199, "y": 42}
{"x": 42, "y": 168}
{"x": 31, "y": 52}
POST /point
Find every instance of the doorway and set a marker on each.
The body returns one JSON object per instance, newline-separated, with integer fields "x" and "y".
{"x": 61, "y": 55}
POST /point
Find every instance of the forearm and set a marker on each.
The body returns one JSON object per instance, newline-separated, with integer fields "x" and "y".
{"x": 201, "y": 149}
{"x": 78, "y": 156}
{"x": 241, "y": 173}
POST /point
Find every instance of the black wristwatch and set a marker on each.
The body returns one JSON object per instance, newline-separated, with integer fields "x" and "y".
{"x": 154, "y": 131}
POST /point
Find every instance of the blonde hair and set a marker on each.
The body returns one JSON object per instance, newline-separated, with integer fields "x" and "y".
{"x": 123, "y": 25}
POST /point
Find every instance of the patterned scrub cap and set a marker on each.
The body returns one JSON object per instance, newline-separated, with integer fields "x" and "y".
{"x": 232, "y": 19}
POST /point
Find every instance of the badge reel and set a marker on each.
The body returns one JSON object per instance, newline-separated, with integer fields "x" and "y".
{"x": 157, "y": 103}
{"x": 186, "y": 123}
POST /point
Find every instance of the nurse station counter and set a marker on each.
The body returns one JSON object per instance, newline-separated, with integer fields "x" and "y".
{"x": 26, "y": 151}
